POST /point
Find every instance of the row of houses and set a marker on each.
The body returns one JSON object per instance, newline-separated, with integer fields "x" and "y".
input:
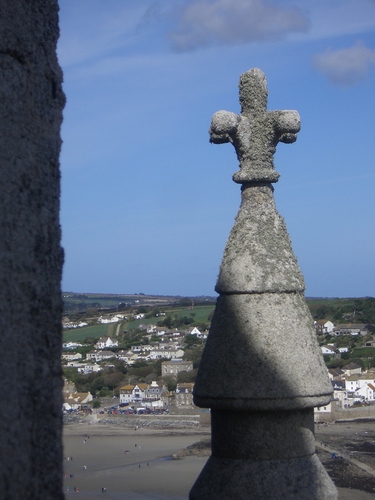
{"x": 132, "y": 356}
{"x": 333, "y": 350}
{"x": 350, "y": 386}
{"x": 170, "y": 350}
{"x": 156, "y": 395}
{"x": 327, "y": 327}
{"x": 152, "y": 330}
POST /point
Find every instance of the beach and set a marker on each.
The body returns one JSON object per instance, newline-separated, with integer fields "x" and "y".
{"x": 137, "y": 463}
{"x": 130, "y": 464}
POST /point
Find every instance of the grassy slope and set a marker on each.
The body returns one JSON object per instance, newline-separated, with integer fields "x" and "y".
{"x": 200, "y": 313}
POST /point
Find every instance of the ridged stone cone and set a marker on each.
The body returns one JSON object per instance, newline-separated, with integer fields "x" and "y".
{"x": 261, "y": 352}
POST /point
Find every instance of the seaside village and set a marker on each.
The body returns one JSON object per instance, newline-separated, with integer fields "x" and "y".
{"x": 353, "y": 387}
{"x": 135, "y": 397}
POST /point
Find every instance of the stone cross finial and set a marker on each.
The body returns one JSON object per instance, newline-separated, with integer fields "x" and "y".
{"x": 256, "y": 132}
{"x": 262, "y": 371}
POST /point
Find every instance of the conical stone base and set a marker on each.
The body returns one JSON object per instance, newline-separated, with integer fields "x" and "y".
{"x": 290, "y": 479}
{"x": 263, "y": 455}
{"x": 261, "y": 354}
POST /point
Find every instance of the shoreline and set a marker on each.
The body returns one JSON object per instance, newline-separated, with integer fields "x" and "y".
{"x": 157, "y": 465}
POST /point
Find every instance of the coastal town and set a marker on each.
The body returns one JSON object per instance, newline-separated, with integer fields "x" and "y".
{"x": 170, "y": 352}
{"x": 155, "y": 373}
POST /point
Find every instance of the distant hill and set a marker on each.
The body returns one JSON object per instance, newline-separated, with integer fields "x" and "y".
{"x": 74, "y": 302}
{"x": 337, "y": 310}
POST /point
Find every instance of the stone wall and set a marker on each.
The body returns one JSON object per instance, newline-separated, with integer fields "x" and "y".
{"x": 354, "y": 413}
{"x": 31, "y": 102}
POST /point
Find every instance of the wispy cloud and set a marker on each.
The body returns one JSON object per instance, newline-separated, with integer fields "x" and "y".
{"x": 233, "y": 22}
{"x": 91, "y": 32}
{"x": 346, "y": 66}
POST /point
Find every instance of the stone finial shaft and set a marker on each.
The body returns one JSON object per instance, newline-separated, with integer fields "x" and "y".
{"x": 262, "y": 371}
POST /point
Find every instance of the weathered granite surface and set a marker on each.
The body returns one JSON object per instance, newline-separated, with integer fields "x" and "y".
{"x": 31, "y": 102}
{"x": 258, "y": 256}
{"x": 261, "y": 353}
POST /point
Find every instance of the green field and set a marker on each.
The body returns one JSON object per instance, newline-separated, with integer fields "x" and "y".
{"x": 80, "y": 334}
{"x": 349, "y": 310}
{"x": 199, "y": 314}
{"x": 363, "y": 352}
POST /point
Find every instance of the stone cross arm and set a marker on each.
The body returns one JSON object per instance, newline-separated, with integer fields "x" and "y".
{"x": 287, "y": 124}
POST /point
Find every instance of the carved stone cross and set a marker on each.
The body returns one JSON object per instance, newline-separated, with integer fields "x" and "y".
{"x": 256, "y": 132}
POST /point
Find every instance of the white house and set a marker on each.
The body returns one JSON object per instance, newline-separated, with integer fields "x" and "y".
{"x": 100, "y": 355}
{"x": 352, "y": 383}
{"x": 113, "y": 319}
{"x": 128, "y": 357}
{"x": 89, "y": 368}
{"x": 71, "y": 356}
{"x": 343, "y": 349}
{"x": 328, "y": 350}
{"x": 126, "y": 393}
{"x": 340, "y": 394}
{"x": 71, "y": 345}
{"x": 106, "y": 343}
{"x": 69, "y": 325}
{"x": 139, "y": 392}
{"x": 76, "y": 399}
{"x": 328, "y": 327}
{"x": 365, "y": 393}
{"x": 324, "y": 326}
{"x": 197, "y": 332}
{"x": 360, "y": 385}
{"x": 166, "y": 353}
{"x": 175, "y": 366}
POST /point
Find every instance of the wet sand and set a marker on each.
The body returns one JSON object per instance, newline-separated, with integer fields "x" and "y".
{"x": 147, "y": 471}
{"x": 129, "y": 464}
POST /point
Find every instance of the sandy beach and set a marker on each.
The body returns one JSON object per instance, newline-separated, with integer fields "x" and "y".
{"x": 128, "y": 463}
{"x": 137, "y": 464}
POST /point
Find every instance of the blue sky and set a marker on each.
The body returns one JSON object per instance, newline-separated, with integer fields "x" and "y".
{"x": 147, "y": 202}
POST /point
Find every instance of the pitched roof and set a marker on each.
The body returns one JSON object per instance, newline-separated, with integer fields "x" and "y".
{"x": 128, "y": 387}
{"x": 351, "y": 366}
{"x": 77, "y": 397}
{"x": 142, "y": 386}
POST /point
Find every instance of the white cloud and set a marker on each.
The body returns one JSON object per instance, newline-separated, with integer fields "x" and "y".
{"x": 234, "y": 22}
{"x": 346, "y": 66}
